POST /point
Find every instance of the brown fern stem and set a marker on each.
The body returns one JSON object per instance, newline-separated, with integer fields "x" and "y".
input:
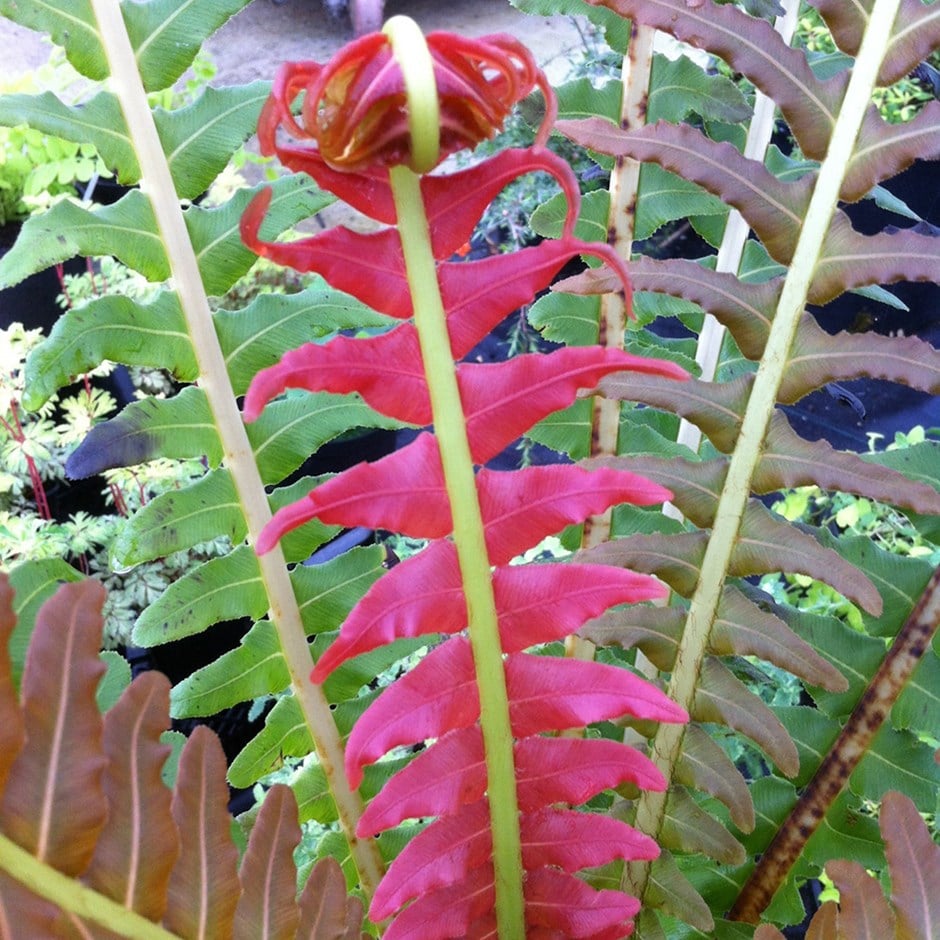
{"x": 612, "y": 324}
{"x": 874, "y": 706}
{"x": 621, "y": 218}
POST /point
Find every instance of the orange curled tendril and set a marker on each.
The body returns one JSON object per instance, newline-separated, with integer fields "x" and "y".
{"x": 354, "y": 106}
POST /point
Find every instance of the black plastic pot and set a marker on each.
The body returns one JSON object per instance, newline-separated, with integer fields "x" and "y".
{"x": 846, "y": 414}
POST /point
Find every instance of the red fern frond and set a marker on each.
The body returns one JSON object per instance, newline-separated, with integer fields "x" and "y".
{"x": 443, "y": 882}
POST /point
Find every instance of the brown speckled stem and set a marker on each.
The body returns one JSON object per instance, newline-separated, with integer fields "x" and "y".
{"x": 850, "y": 747}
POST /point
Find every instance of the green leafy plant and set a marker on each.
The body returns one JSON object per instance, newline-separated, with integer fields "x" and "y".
{"x": 703, "y": 159}
{"x": 37, "y": 166}
{"x": 39, "y": 530}
{"x": 898, "y": 102}
{"x": 175, "y": 331}
{"x": 849, "y": 516}
{"x": 34, "y": 167}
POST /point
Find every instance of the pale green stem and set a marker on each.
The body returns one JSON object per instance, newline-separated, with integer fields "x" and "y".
{"x": 410, "y": 50}
{"x": 451, "y": 431}
{"x": 417, "y": 71}
{"x": 667, "y": 744}
{"x": 733, "y": 240}
{"x": 71, "y": 895}
{"x": 239, "y": 459}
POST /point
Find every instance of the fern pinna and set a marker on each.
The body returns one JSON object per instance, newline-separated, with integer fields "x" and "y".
{"x": 499, "y": 857}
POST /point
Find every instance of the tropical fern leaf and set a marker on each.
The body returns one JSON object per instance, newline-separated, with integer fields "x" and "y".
{"x": 775, "y": 206}
{"x": 90, "y": 837}
{"x": 177, "y": 154}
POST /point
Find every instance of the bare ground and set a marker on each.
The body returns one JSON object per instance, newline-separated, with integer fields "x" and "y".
{"x": 254, "y": 42}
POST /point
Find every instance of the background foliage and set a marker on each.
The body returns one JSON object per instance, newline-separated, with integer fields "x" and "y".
{"x": 842, "y": 608}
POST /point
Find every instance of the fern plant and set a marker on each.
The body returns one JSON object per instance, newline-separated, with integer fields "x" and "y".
{"x": 492, "y": 707}
{"x": 485, "y": 777}
{"x": 805, "y": 251}
{"x": 57, "y": 826}
{"x": 194, "y": 350}
{"x": 191, "y": 253}
{"x": 913, "y": 863}
{"x": 94, "y": 843}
